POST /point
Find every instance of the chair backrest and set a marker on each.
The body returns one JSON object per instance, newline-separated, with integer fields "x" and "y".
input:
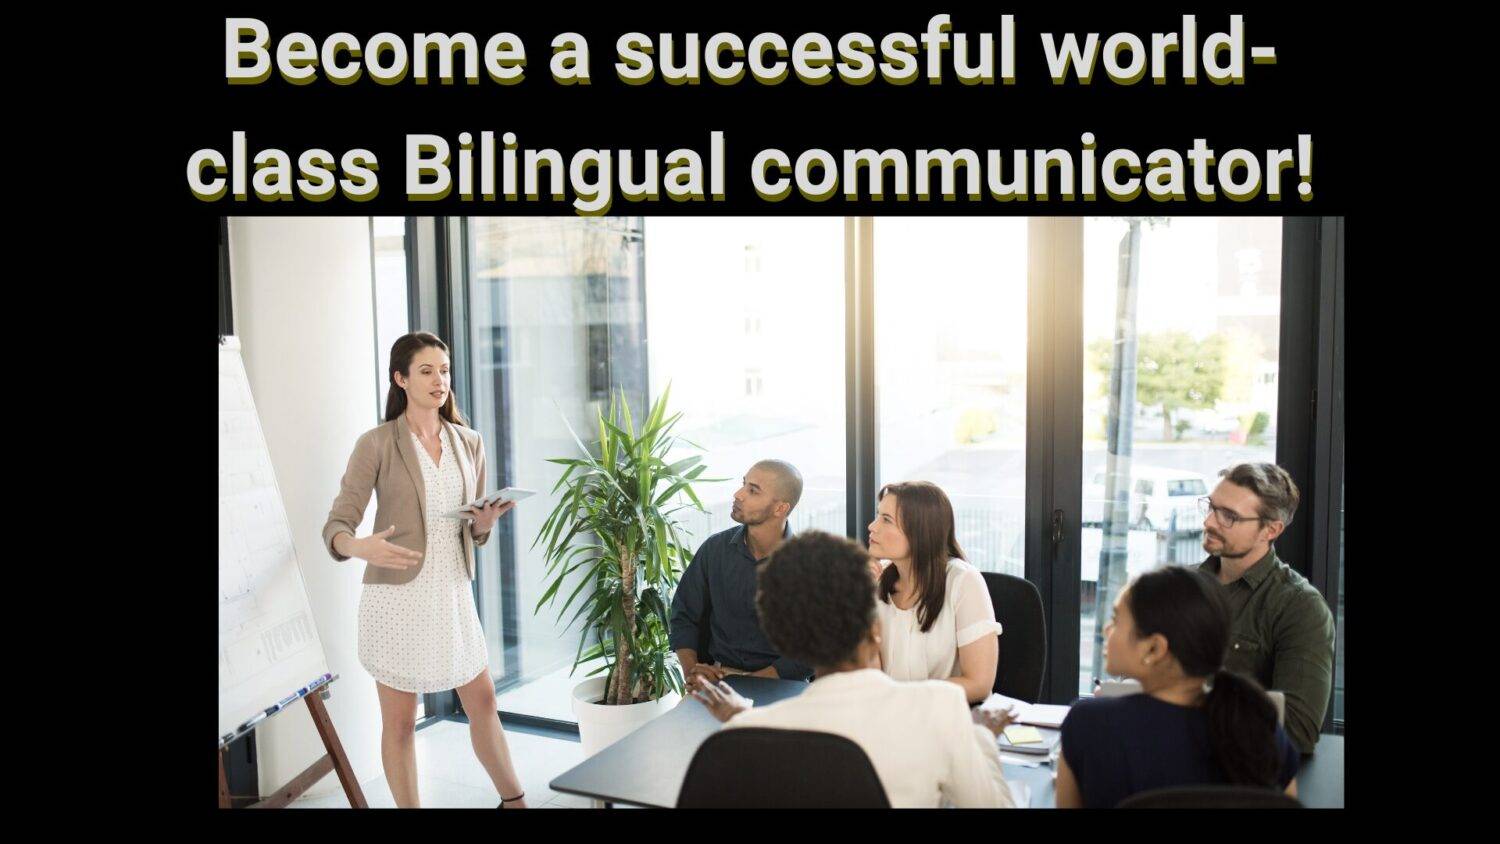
{"x": 757, "y": 768}
{"x": 1023, "y": 644}
{"x": 1211, "y": 797}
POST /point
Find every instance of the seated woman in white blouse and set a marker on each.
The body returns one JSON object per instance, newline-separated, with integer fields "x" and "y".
{"x": 934, "y": 607}
{"x": 817, "y": 606}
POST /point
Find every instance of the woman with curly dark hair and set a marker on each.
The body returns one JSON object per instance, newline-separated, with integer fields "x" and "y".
{"x": 817, "y": 605}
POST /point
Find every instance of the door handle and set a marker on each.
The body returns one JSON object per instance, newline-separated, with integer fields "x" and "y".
{"x": 1057, "y": 527}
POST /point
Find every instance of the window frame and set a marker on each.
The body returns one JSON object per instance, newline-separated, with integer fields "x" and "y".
{"x": 1310, "y": 429}
{"x": 226, "y": 291}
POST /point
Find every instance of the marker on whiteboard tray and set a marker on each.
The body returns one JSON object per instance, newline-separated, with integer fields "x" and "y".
{"x": 256, "y": 719}
{"x": 307, "y": 689}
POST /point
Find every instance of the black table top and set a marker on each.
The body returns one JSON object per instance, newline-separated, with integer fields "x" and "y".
{"x": 646, "y": 768}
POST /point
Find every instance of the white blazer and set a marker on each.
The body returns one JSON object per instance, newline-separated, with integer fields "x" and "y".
{"x": 920, "y": 736}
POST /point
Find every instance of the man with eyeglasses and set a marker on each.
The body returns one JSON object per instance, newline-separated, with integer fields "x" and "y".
{"x": 1283, "y": 632}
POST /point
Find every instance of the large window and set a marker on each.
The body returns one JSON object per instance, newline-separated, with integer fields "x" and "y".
{"x": 1073, "y": 385}
{"x": 1181, "y": 330}
{"x": 745, "y": 320}
{"x": 389, "y": 256}
{"x": 950, "y": 372}
{"x": 556, "y": 320}
{"x": 563, "y": 311}
{"x": 389, "y": 260}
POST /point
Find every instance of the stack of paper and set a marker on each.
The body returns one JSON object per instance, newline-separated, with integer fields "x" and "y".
{"x": 1036, "y": 714}
{"x": 1020, "y": 738}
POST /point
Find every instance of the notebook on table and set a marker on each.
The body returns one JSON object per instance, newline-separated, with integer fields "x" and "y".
{"x": 1032, "y": 741}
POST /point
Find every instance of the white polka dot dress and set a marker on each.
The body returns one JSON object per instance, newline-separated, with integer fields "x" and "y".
{"x": 424, "y": 636}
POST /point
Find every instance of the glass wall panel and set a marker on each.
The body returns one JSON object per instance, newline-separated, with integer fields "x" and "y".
{"x": 950, "y": 372}
{"x": 1181, "y": 354}
{"x": 744, "y": 318}
{"x": 556, "y": 320}
{"x": 746, "y": 324}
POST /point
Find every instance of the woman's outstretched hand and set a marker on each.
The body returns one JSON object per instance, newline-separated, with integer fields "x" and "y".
{"x": 995, "y": 720}
{"x": 375, "y": 550}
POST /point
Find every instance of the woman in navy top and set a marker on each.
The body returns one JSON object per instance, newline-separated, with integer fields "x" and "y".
{"x": 1195, "y": 723}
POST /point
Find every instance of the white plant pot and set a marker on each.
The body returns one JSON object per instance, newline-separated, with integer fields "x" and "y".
{"x": 600, "y": 726}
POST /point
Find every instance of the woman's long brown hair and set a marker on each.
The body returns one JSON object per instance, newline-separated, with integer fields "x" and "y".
{"x": 926, "y": 517}
{"x": 402, "y": 351}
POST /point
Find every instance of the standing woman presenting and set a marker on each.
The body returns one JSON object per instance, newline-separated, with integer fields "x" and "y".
{"x": 419, "y": 630}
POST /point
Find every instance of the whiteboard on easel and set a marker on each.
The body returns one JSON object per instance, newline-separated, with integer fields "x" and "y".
{"x": 268, "y": 644}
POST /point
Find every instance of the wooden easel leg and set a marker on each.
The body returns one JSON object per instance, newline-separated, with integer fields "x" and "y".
{"x": 223, "y": 783}
{"x": 335, "y": 751}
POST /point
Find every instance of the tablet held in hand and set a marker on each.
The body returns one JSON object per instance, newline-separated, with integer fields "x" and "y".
{"x": 510, "y": 493}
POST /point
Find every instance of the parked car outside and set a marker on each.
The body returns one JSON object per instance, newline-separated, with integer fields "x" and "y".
{"x": 1156, "y": 494}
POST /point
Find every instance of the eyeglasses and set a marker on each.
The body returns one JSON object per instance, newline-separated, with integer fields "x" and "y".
{"x": 1225, "y": 517}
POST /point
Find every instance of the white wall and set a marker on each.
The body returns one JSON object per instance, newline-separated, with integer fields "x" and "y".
{"x": 304, "y": 312}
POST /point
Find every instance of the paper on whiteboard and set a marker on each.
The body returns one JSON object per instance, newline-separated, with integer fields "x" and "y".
{"x": 268, "y": 642}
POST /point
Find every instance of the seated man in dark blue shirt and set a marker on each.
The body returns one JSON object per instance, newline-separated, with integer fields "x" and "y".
{"x": 717, "y": 592}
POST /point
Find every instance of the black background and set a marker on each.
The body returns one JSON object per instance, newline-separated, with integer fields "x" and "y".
{"x": 1334, "y": 79}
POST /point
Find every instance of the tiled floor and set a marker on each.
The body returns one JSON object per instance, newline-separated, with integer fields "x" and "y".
{"x": 449, "y": 776}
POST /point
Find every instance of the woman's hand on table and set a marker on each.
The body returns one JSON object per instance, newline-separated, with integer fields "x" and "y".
{"x": 994, "y": 720}
{"x": 721, "y": 700}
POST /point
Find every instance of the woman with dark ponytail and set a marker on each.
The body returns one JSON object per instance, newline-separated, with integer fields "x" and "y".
{"x": 419, "y": 630}
{"x": 1195, "y": 723}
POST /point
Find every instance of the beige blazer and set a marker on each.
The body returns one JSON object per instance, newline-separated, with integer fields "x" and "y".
{"x": 385, "y": 462}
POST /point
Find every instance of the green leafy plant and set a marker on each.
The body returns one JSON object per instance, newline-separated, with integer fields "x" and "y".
{"x": 614, "y": 528}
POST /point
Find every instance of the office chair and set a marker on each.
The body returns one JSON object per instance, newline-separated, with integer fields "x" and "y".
{"x": 1211, "y": 797}
{"x": 1023, "y": 644}
{"x": 758, "y": 768}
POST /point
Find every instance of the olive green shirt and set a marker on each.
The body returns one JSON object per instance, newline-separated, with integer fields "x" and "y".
{"x": 1282, "y": 635}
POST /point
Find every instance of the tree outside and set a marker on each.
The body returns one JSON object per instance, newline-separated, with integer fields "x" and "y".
{"x": 1174, "y": 372}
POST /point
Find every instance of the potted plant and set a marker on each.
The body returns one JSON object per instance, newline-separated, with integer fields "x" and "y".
{"x": 613, "y": 536}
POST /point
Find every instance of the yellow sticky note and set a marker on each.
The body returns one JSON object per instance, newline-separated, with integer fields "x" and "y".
{"x": 1022, "y": 734}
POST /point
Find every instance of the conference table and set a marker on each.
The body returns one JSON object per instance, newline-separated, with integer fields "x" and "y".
{"x": 646, "y": 768}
